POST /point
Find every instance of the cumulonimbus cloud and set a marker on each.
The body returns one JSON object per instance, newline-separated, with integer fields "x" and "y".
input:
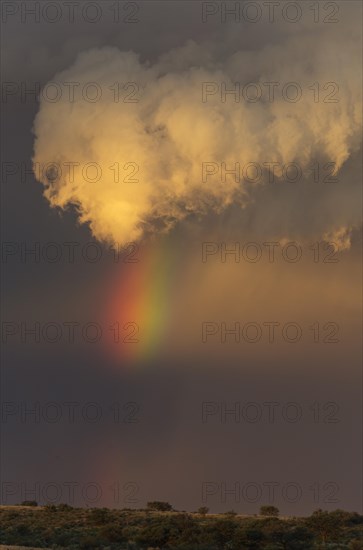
{"x": 130, "y": 160}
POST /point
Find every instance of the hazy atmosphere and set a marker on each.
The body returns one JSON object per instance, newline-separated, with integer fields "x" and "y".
{"x": 181, "y": 255}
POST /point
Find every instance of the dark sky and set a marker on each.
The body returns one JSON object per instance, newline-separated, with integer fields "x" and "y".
{"x": 185, "y": 420}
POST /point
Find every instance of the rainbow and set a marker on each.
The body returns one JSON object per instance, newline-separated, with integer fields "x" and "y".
{"x": 140, "y": 305}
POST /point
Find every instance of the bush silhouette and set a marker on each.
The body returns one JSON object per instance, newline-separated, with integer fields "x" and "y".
{"x": 160, "y": 506}
{"x": 269, "y": 511}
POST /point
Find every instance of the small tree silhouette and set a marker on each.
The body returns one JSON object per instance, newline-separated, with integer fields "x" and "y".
{"x": 160, "y": 506}
{"x": 269, "y": 511}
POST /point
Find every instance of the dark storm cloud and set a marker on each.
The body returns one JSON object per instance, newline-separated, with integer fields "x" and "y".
{"x": 170, "y": 452}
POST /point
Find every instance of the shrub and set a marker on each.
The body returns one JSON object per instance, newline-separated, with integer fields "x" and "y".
{"x": 64, "y": 507}
{"x": 269, "y": 511}
{"x": 50, "y": 508}
{"x": 160, "y": 506}
{"x": 98, "y": 516}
